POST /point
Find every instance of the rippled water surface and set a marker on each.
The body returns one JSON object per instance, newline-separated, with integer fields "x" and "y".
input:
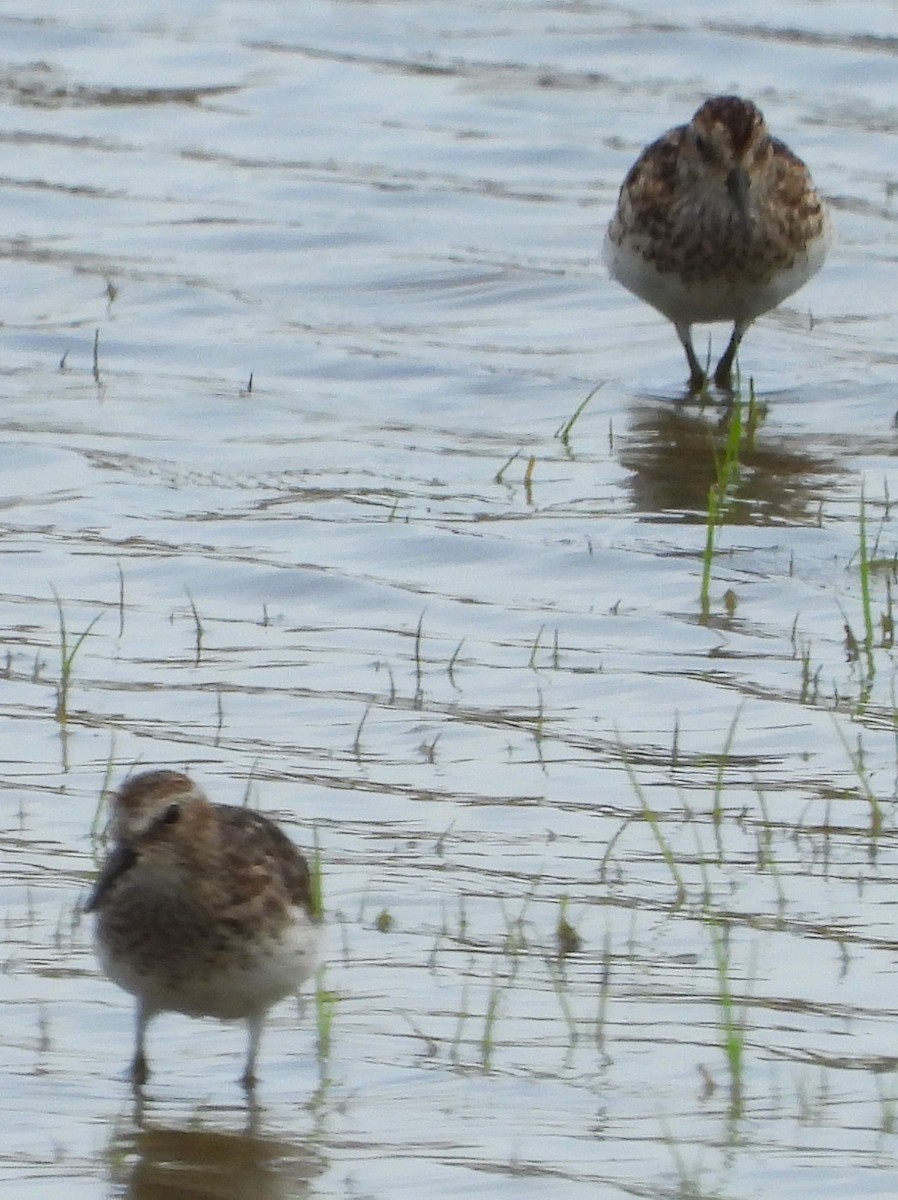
{"x": 299, "y": 305}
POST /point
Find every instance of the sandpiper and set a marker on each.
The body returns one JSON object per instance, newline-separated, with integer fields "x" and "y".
{"x": 717, "y": 221}
{"x": 204, "y": 909}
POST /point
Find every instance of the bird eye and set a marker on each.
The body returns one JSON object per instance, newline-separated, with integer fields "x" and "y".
{"x": 172, "y": 815}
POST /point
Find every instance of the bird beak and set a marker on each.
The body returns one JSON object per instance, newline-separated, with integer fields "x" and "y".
{"x": 119, "y": 861}
{"x": 738, "y": 188}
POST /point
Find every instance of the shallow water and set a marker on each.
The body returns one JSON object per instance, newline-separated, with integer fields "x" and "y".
{"x": 297, "y": 305}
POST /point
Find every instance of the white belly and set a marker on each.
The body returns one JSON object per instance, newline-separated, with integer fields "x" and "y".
{"x": 711, "y": 299}
{"x": 244, "y": 981}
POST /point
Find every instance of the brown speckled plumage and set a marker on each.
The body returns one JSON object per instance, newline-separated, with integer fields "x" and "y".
{"x": 717, "y": 221}
{"x": 201, "y": 908}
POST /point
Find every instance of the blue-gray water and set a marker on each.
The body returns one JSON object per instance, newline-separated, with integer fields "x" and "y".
{"x": 378, "y": 591}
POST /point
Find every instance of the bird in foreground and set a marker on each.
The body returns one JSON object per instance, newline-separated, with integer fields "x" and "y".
{"x": 717, "y": 221}
{"x": 204, "y": 909}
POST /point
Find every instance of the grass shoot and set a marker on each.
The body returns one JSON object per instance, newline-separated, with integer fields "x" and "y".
{"x": 720, "y": 496}
{"x": 68, "y": 651}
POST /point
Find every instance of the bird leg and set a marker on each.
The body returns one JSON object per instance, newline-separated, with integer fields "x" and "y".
{"x": 254, "y": 1028}
{"x": 723, "y": 376}
{"x": 139, "y": 1070}
{"x": 697, "y": 376}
